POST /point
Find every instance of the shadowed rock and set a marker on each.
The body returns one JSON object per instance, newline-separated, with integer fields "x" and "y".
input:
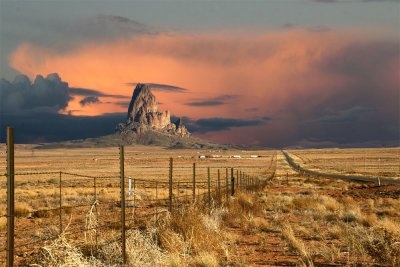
{"x": 143, "y": 115}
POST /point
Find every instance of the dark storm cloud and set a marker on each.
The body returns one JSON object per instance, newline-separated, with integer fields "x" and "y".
{"x": 216, "y": 124}
{"x": 90, "y": 92}
{"x": 205, "y": 103}
{"x": 214, "y": 101}
{"x": 89, "y": 100}
{"x": 36, "y": 127}
{"x": 350, "y": 127}
{"x": 348, "y": 115}
{"x": 221, "y": 124}
{"x": 365, "y": 110}
{"x": 266, "y": 118}
{"x": 50, "y": 94}
{"x": 106, "y": 27}
{"x": 162, "y": 87}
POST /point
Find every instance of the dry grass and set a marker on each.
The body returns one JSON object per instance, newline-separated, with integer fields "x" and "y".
{"x": 205, "y": 259}
{"x": 3, "y": 224}
{"x": 297, "y": 245}
{"x": 326, "y": 225}
{"x": 199, "y": 232}
{"x": 22, "y": 209}
{"x": 62, "y": 253}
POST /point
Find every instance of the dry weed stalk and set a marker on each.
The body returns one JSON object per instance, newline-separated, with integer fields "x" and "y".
{"x": 60, "y": 252}
{"x": 297, "y": 245}
{"x": 91, "y": 223}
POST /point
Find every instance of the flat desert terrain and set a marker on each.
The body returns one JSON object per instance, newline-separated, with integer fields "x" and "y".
{"x": 290, "y": 220}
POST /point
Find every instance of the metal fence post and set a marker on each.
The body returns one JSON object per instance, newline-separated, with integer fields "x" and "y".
{"x": 209, "y": 187}
{"x": 232, "y": 183}
{"x": 122, "y": 181}
{"x": 194, "y": 182}
{"x": 10, "y": 197}
{"x": 170, "y": 184}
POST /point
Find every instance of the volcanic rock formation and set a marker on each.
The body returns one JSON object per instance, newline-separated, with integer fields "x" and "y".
{"x": 143, "y": 115}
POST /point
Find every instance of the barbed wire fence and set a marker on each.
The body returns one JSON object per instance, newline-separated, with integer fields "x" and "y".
{"x": 94, "y": 211}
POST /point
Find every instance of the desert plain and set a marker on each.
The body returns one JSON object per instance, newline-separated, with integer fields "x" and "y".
{"x": 290, "y": 219}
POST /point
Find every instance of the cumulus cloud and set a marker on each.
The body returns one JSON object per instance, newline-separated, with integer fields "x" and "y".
{"x": 49, "y": 93}
{"x": 89, "y": 100}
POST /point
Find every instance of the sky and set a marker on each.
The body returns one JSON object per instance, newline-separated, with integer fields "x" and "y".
{"x": 277, "y": 73}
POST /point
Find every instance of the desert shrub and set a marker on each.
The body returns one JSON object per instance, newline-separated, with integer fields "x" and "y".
{"x": 206, "y": 260}
{"x": 240, "y": 210}
{"x": 60, "y": 252}
{"x": 192, "y": 226}
{"x": 141, "y": 250}
{"x": 383, "y": 246}
{"x": 297, "y": 245}
{"x": 22, "y": 210}
{"x": 381, "y": 242}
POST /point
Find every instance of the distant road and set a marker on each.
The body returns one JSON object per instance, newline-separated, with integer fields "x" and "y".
{"x": 300, "y": 169}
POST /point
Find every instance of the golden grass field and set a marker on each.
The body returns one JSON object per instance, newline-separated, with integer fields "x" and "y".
{"x": 293, "y": 220}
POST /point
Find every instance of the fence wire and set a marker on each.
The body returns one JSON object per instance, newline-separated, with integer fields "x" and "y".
{"x": 87, "y": 208}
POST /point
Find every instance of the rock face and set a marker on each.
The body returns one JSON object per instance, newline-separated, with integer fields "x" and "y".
{"x": 143, "y": 115}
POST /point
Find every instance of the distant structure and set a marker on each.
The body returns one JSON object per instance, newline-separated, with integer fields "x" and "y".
{"x": 143, "y": 116}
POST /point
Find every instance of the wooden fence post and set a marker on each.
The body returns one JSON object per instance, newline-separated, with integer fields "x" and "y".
{"x": 219, "y": 186}
{"x": 170, "y": 183}
{"x": 156, "y": 201}
{"x": 237, "y": 179}
{"x": 232, "y": 183}
{"x": 122, "y": 178}
{"x": 60, "y": 200}
{"x": 10, "y": 197}
{"x": 226, "y": 185}
{"x": 209, "y": 187}
{"x": 194, "y": 182}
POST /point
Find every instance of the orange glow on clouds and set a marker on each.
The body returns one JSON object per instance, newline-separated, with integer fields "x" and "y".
{"x": 265, "y": 71}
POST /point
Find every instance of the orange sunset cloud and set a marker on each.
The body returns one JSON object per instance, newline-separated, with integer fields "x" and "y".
{"x": 274, "y": 66}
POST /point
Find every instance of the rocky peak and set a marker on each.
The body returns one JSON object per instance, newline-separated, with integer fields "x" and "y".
{"x": 143, "y": 114}
{"x": 181, "y": 128}
{"x": 143, "y": 102}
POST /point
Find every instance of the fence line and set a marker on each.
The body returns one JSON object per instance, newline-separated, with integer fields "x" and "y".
{"x": 112, "y": 203}
{"x": 304, "y": 171}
